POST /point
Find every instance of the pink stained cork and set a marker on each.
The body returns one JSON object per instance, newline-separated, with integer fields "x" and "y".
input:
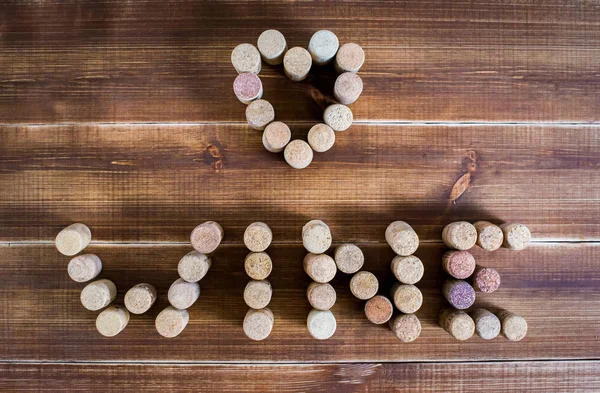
{"x": 486, "y": 279}
{"x": 247, "y": 87}
{"x": 348, "y": 87}
{"x": 489, "y": 236}
{"x": 349, "y": 58}
{"x": 460, "y": 294}
{"x": 379, "y": 309}
{"x": 406, "y": 327}
{"x": 459, "y": 235}
{"x": 458, "y": 264}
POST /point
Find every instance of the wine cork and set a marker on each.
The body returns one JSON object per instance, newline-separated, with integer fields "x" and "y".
{"x": 514, "y": 327}
{"x": 98, "y": 294}
{"x": 206, "y": 237}
{"x": 364, "y": 285}
{"x": 84, "y": 267}
{"x": 458, "y": 264}
{"x": 407, "y": 270}
{"x": 406, "y": 327}
{"x": 487, "y": 325}
{"x": 402, "y": 238}
{"x": 458, "y": 323}
{"x": 298, "y": 154}
{"x": 257, "y": 294}
{"x": 112, "y": 321}
{"x": 321, "y": 137}
{"x": 193, "y": 266}
{"x": 276, "y": 136}
{"x": 246, "y": 58}
{"x": 349, "y": 258}
{"x": 489, "y": 236}
{"x": 258, "y": 237}
{"x": 170, "y": 322}
{"x": 258, "y": 265}
{"x": 320, "y": 267}
{"x": 459, "y": 235}
{"x": 183, "y": 294}
{"x": 460, "y": 294}
{"x": 379, "y": 309}
{"x": 247, "y": 87}
{"x": 349, "y": 58}
{"x": 321, "y": 324}
{"x": 348, "y": 87}
{"x": 407, "y": 298}
{"x": 316, "y": 236}
{"x": 297, "y": 63}
{"x": 258, "y": 324}
{"x": 516, "y": 236}
{"x": 323, "y": 46}
{"x": 486, "y": 279}
{"x": 259, "y": 113}
{"x": 73, "y": 239}
{"x": 321, "y": 296}
{"x": 338, "y": 117}
{"x": 272, "y": 46}
{"x": 140, "y": 298}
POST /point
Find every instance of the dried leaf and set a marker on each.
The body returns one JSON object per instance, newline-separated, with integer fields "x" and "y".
{"x": 460, "y": 187}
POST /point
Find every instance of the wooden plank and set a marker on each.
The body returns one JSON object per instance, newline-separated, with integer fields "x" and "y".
{"x": 154, "y": 183}
{"x": 168, "y": 61}
{"x": 554, "y": 286}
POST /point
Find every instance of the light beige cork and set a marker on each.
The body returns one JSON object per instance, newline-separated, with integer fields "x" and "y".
{"x": 258, "y": 324}
{"x": 516, "y": 236}
{"x": 321, "y": 137}
{"x": 458, "y": 323}
{"x": 407, "y": 298}
{"x": 321, "y": 296}
{"x": 84, "y": 267}
{"x": 489, "y": 236}
{"x": 140, "y": 298}
{"x": 406, "y": 327}
{"x": 257, "y": 294}
{"x": 514, "y": 327}
{"x": 258, "y": 265}
{"x": 458, "y": 264}
{"x": 321, "y": 324}
{"x": 348, "y": 88}
{"x": 98, "y": 294}
{"x": 258, "y": 237}
{"x": 364, "y": 285}
{"x": 407, "y": 270}
{"x": 193, "y": 266}
{"x": 320, "y": 267}
{"x": 298, "y": 154}
{"x": 297, "y": 63}
{"x": 316, "y": 236}
{"x": 206, "y": 237}
{"x": 112, "y": 321}
{"x": 272, "y": 46}
{"x": 379, "y": 309}
{"x": 349, "y": 258}
{"x": 339, "y": 117}
{"x": 276, "y": 137}
{"x": 487, "y": 325}
{"x": 246, "y": 58}
{"x": 183, "y": 294}
{"x": 73, "y": 239}
{"x": 170, "y": 322}
{"x": 402, "y": 238}
{"x": 259, "y": 113}
{"x": 349, "y": 58}
{"x": 323, "y": 46}
{"x": 459, "y": 235}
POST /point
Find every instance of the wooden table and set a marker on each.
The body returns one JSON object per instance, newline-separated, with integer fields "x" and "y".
{"x": 120, "y": 114}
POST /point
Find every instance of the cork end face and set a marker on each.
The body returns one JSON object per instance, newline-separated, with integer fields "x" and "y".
{"x": 402, "y": 238}
{"x": 406, "y": 327}
{"x": 316, "y": 237}
{"x": 183, "y": 294}
{"x": 407, "y": 298}
{"x": 206, "y": 237}
{"x": 321, "y": 324}
{"x": 460, "y": 235}
{"x": 246, "y": 58}
{"x": 258, "y": 237}
{"x": 323, "y": 46}
{"x": 272, "y": 46}
{"x": 257, "y": 294}
{"x": 170, "y": 322}
{"x": 258, "y": 265}
{"x": 140, "y": 298}
{"x": 259, "y": 113}
{"x": 364, "y": 285}
{"x": 98, "y": 294}
{"x": 486, "y": 280}
{"x": 408, "y": 270}
{"x": 298, "y": 154}
{"x": 350, "y": 58}
{"x": 348, "y": 88}
{"x": 84, "y": 268}
{"x": 321, "y": 296}
{"x": 193, "y": 266}
{"x": 321, "y": 138}
{"x": 459, "y": 264}
{"x": 73, "y": 239}
{"x": 349, "y": 258}
{"x": 258, "y": 324}
{"x": 247, "y": 87}
{"x": 460, "y": 294}
{"x": 339, "y": 117}
{"x": 489, "y": 236}
{"x": 487, "y": 326}
{"x": 276, "y": 136}
{"x": 516, "y": 236}
{"x": 514, "y": 327}
{"x": 462, "y": 327}
{"x": 378, "y": 310}
{"x": 297, "y": 63}
{"x": 112, "y": 321}
{"x": 320, "y": 267}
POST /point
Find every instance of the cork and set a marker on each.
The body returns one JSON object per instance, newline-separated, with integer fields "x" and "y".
{"x": 206, "y": 237}
{"x": 486, "y": 279}
{"x": 193, "y": 266}
{"x": 321, "y": 137}
{"x": 407, "y": 270}
{"x": 321, "y": 324}
{"x": 402, "y": 238}
{"x": 170, "y": 322}
{"x": 406, "y": 297}
{"x": 458, "y": 323}
{"x": 257, "y": 294}
{"x": 516, "y": 236}
{"x": 338, "y": 117}
{"x": 460, "y": 294}
{"x": 348, "y": 87}
{"x": 258, "y": 324}
{"x": 406, "y": 327}
{"x": 487, "y": 325}
{"x": 489, "y": 236}
{"x": 297, "y": 64}
{"x": 246, "y": 58}
{"x": 183, "y": 294}
{"x": 349, "y": 258}
{"x": 379, "y": 309}
{"x": 73, "y": 239}
{"x": 321, "y": 296}
{"x": 349, "y": 58}
{"x": 140, "y": 298}
{"x": 316, "y": 236}
{"x": 84, "y": 267}
{"x": 298, "y": 154}
{"x": 458, "y": 264}
{"x": 98, "y": 294}
{"x": 323, "y": 46}
{"x": 276, "y": 136}
{"x": 258, "y": 265}
{"x": 247, "y": 87}
{"x": 259, "y": 113}
{"x": 258, "y": 237}
{"x": 514, "y": 327}
{"x": 320, "y": 267}
{"x": 364, "y": 285}
{"x": 112, "y": 321}
{"x": 459, "y": 235}
{"x": 272, "y": 46}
